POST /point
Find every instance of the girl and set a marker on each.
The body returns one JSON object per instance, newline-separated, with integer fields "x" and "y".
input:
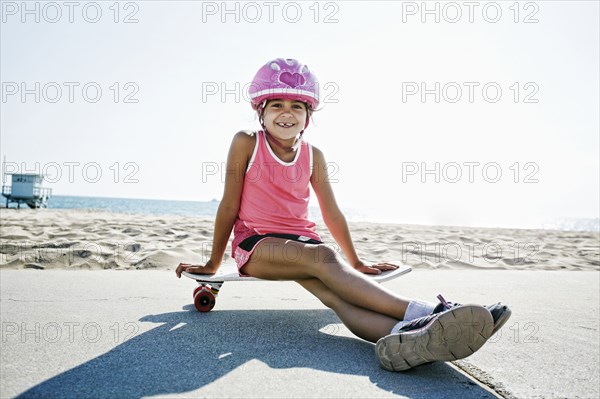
{"x": 265, "y": 203}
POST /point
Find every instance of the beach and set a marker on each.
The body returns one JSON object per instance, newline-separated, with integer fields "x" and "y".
{"x": 91, "y": 239}
{"x": 90, "y": 307}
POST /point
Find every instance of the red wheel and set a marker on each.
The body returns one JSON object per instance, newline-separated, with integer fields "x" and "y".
{"x": 204, "y": 301}
{"x": 200, "y": 287}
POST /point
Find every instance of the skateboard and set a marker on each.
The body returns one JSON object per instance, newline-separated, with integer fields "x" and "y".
{"x": 205, "y": 295}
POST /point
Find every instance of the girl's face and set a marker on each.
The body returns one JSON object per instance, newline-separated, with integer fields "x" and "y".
{"x": 285, "y": 119}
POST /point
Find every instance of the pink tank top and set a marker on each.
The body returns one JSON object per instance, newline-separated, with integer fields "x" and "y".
{"x": 275, "y": 194}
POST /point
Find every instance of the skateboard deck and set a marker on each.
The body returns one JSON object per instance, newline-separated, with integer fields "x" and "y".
{"x": 209, "y": 285}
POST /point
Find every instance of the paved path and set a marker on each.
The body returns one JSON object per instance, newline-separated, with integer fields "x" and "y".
{"x": 135, "y": 334}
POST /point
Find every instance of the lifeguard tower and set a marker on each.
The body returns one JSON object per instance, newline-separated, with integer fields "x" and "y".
{"x": 26, "y": 188}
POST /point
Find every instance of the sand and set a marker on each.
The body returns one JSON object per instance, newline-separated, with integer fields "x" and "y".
{"x": 90, "y": 239}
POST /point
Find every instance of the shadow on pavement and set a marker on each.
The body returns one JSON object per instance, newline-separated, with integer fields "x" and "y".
{"x": 190, "y": 350}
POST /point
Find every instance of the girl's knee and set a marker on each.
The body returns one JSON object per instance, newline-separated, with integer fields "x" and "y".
{"x": 323, "y": 256}
{"x": 328, "y": 261}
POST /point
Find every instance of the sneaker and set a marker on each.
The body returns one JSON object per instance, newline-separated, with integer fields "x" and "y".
{"x": 447, "y": 335}
{"x": 500, "y": 313}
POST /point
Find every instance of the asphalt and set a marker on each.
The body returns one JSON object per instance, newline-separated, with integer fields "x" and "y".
{"x": 134, "y": 334}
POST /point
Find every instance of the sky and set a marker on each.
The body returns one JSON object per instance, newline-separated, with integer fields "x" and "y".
{"x": 458, "y": 113}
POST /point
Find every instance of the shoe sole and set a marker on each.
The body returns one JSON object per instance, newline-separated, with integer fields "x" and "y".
{"x": 455, "y": 334}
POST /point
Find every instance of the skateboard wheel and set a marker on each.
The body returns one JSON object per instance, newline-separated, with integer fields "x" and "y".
{"x": 204, "y": 301}
{"x": 205, "y": 287}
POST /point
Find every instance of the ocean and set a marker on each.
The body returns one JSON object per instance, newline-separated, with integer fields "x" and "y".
{"x": 209, "y": 209}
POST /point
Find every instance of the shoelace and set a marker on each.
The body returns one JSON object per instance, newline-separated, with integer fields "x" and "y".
{"x": 496, "y": 309}
{"x": 444, "y": 302}
{"x": 445, "y": 305}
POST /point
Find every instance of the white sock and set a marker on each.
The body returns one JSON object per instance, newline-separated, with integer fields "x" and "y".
{"x": 418, "y": 309}
{"x": 414, "y": 310}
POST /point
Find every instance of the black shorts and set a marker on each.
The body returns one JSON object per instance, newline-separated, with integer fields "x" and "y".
{"x": 249, "y": 243}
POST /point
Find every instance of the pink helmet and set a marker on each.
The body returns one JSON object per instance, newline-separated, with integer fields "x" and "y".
{"x": 284, "y": 78}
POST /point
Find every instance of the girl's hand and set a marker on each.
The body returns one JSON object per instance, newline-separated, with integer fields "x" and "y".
{"x": 376, "y": 268}
{"x": 209, "y": 268}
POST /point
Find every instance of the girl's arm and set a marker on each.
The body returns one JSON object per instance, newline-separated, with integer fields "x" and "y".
{"x": 239, "y": 155}
{"x": 335, "y": 219}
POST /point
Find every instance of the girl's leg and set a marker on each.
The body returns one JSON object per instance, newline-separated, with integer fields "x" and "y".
{"x": 280, "y": 259}
{"x": 366, "y": 324}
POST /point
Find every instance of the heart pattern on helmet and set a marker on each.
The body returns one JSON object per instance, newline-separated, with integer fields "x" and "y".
{"x": 292, "y": 79}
